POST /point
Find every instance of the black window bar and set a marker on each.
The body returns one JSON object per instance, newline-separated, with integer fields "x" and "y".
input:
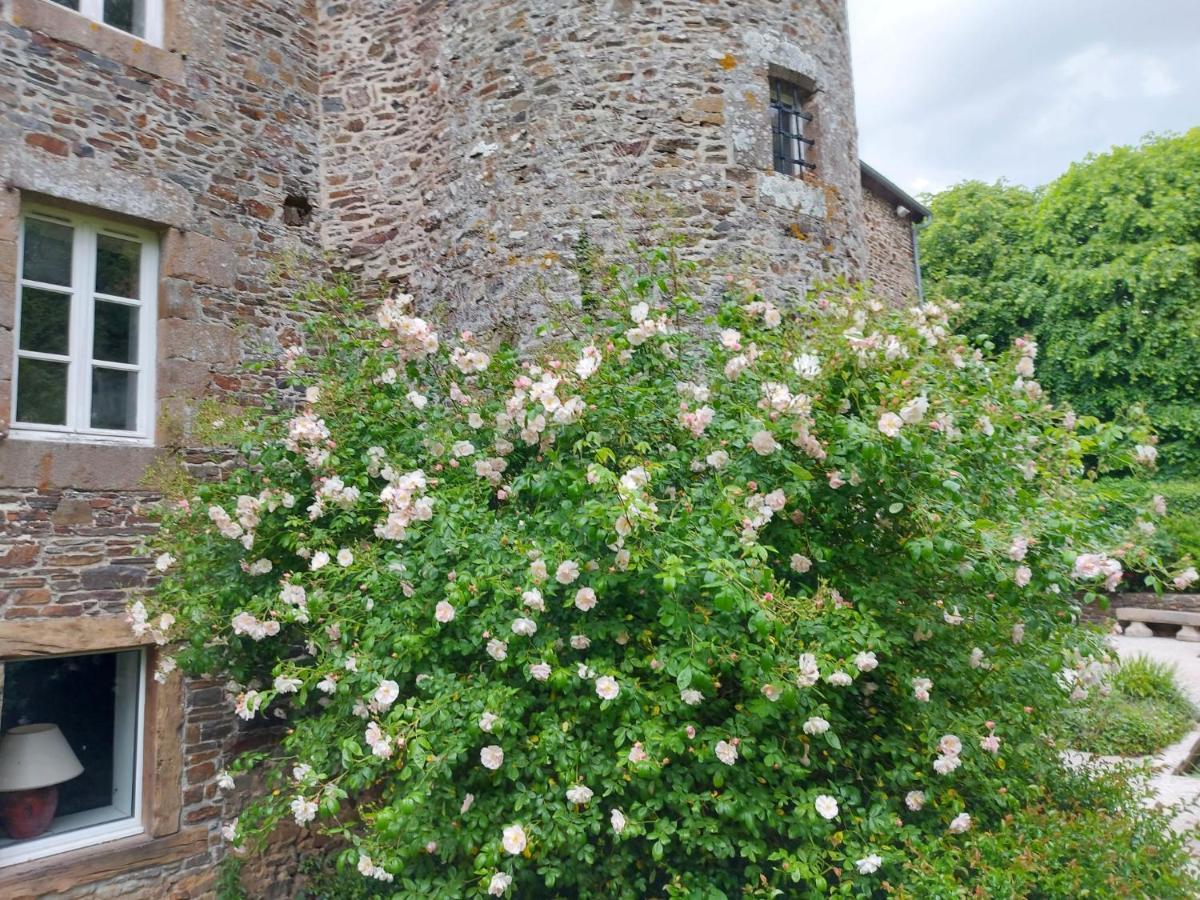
{"x": 793, "y": 151}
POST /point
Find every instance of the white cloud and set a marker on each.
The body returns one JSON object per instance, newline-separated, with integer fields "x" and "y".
{"x": 948, "y": 90}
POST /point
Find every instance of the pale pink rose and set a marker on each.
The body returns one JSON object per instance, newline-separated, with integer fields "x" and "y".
{"x": 914, "y": 800}
{"x": 726, "y": 752}
{"x": 514, "y": 839}
{"x": 607, "y": 687}
{"x": 637, "y": 754}
{"x": 826, "y": 806}
{"x": 890, "y": 424}
{"x": 1022, "y": 576}
{"x": 764, "y": 443}
{"x": 566, "y": 572}
{"x": 492, "y": 757}
{"x": 540, "y": 670}
{"x": 443, "y": 612}
{"x": 585, "y": 599}
{"x": 960, "y": 823}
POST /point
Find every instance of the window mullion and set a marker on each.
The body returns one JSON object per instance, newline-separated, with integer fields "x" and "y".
{"x": 86, "y": 285}
{"x": 93, "y": 9}
{"x": 154, "y": 25}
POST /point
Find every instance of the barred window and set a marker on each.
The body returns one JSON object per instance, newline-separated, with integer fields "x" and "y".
{"x": 793, "y": 151}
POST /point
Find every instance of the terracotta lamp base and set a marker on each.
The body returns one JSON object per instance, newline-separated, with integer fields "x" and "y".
{"x": 26, "y": 814}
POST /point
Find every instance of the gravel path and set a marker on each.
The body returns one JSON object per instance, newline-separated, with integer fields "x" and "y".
{"x": 1173, "y": 789}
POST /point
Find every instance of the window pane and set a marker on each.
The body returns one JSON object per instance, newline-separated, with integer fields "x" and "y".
{"x": 45, "y": 321}
{"x": 88, "y": 701}
{"x": 41, "y": 392}
{"x": 115, "y": 332}
{"x": 114, "y": 399}
{"x": 128, "y": 15}
{"x": 47, "y": 255}
{"x": 117, "y": 264}
{"x": 69, "y": 4}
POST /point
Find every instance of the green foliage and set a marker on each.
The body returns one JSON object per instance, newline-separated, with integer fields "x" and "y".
{"x": 1102, "y": 267}
{"x": 753, "y": 604}
{"x": 1129, "y": 502}
{"x": 1094, "y": 838}
{"x": 1144, "y": 711}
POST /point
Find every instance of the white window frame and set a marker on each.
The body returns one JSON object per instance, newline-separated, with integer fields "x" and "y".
{"x": 152, "y": 26}
{"x": 72, "y": 832}
{"x": 79, "y": 357}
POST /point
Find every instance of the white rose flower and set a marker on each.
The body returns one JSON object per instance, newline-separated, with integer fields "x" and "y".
{"x": 914, "y": 800}
{"x": 386, "y": 693}
{"x": 497, "y": 649}
{"x": 869, "y": 864}
{"x": 444, "y": 612}
{"x": 617, "y": 818}
{"x": 579, "y": 794}
{"x": 499, "y": 884}
{"x": 319, "y": 560}
{"x": 816, "y": 725}
{"x": 826, "y": 806}
{"x": 566, "y": 572}
{"x": 691, "y": 696}
{"x": 487, "y": 721}
{"x": 890, "y": 424}
{"x": 764, "y": 443}
{"x": 524, "y": 627}
{"x": 726, "y": 752}
{"x": 580, "y": 642}
{"x": 492, "y": 757}
{"x": 866, "y": 661}
{"x": 585, "y": 599}
{"x": 514, "y": 839}
{"x": 960, "y": 823}
{"x": 607, "y": 687}
{"x": 345, "y": 558}
{"x": 540, "y": 670}
{"x": 304, "y": 810}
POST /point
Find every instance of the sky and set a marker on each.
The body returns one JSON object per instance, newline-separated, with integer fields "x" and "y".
{"x": 950, "y": 90}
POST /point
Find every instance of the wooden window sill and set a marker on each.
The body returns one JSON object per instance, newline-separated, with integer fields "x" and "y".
{"x": 56, "y": 874}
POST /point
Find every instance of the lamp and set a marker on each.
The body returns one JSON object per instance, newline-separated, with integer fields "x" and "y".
{"x": 34, "y": 760}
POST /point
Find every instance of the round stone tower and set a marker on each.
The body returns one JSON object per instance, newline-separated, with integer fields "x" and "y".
{"x": 470, "y": 150}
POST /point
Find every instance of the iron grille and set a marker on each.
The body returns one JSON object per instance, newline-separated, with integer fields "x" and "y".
{"x": 793, "y": 151}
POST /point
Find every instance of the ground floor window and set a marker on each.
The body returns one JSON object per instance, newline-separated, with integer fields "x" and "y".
{"x": 70, "y": 752}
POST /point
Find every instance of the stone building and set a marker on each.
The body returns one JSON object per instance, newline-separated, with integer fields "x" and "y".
{"x": 171, "y": 170}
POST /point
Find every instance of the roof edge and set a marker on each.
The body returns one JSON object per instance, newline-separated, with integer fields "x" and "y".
{"x": 917, "y": 210}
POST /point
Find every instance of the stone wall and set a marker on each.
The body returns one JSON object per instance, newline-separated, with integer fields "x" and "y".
{"x": 891, "y": 262}
{"x": 467, "y": 147}
{"x": 203, "y": 141}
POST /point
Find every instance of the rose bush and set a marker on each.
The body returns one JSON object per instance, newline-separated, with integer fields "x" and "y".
{"x": 770, "y": 602}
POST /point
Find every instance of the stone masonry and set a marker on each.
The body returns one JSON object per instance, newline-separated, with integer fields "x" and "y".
{"x": 203, "y": 141}
{"x": 468, "y": 146}
{"x": 459, "y": 151}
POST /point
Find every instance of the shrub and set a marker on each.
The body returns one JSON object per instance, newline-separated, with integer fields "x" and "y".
{"x": 1173, "y": 536}
{"x": 1144, "y": 711}
{"x": 664, "y": 605}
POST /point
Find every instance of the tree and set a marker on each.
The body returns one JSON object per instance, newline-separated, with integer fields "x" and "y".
{"x": 1102, "y": 267}
{"x": 666, "y": 605}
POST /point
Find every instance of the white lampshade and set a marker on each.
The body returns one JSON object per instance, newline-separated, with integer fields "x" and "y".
{"x": 36, "y": 756}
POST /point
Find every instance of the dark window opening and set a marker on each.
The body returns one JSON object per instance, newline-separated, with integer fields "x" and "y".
{"x": 792, "y": 149}
{"x": 93, "y": 700}
{"x": 297, "y": 211}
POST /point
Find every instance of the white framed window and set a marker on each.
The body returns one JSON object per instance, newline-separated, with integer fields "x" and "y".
{"x": 141, "y": 18}
{"x": 85, "y": 345}
{"x": 96, "y": 702}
